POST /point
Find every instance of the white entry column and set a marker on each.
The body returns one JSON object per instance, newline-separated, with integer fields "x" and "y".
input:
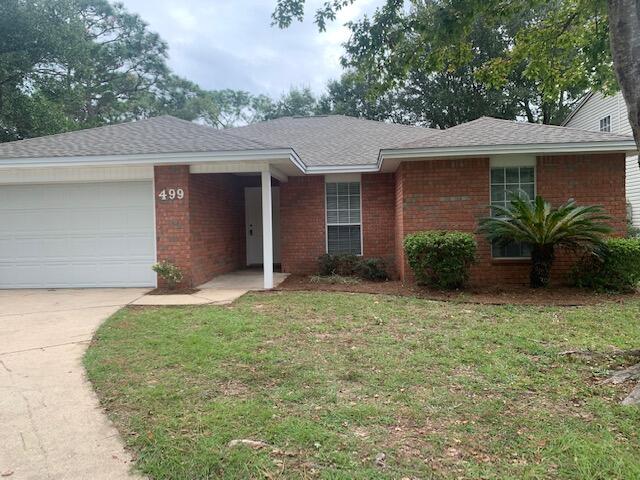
{"x": 267, "y": 230}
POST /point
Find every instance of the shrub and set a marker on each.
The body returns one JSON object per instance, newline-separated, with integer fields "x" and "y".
{"x": 615, "y": 269}
{"x": 373, "y": 269}
{"x": 169, "y": 272}
{"x": 346, "y": 265}
{"x": 441, "y": 259}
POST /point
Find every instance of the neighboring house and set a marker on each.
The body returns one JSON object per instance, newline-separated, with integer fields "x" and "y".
{"x": 609, "y": 114}
{"x": 97, "y": 207}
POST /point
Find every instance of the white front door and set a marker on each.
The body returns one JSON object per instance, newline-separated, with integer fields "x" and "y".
{"x": 253, "y": 221}
{"x": 77, "y": 235}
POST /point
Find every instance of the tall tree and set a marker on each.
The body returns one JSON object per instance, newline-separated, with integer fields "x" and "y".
{"x": 68, "y": 64}
{"x": 296, "y": 102}
{"x": 554, "y": 49}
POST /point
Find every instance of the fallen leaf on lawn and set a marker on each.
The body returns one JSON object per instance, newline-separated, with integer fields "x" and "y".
{"x": 380, "y": 459}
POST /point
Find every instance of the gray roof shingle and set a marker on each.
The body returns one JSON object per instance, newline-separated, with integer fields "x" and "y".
{"x": 335, "y": 140}
{"x": 331, "y": 140}
{"x": 163, "y": 134}
{"x": 488, "y": 131}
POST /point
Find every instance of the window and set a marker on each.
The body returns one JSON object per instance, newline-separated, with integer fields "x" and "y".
{"x": 504, "y": 181}
{"x": 344, "y": 225}
{"x": 605, "y": 124}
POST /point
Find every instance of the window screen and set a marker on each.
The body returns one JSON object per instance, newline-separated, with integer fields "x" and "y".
{"x": 344, "y": 218}
{"x": 605, "y": 124}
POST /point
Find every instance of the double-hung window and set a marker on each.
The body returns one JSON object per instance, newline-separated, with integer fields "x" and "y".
{"x": 605, "y": 124}
{"x": 344, "y": 220}
{"x": 504, "y": 182}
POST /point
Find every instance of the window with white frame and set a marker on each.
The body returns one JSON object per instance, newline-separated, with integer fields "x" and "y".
{"x": 504, "y": 182}
{"x": 605, "y": 124}
{"x": 344, "y": 224}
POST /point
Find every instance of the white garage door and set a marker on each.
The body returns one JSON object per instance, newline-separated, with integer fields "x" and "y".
{"x": 77, "y": 235}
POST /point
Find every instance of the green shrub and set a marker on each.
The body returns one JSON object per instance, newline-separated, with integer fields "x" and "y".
{"x": 342, "y": 264}
{"x": 615, "y": 269}
{"x": 374, "y": 269}
{"x": 439, "y": 258}
{"x": 346, "y": 265}
{"x": 169, "y": 272}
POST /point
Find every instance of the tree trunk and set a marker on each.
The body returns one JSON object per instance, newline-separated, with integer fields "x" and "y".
{"x": 542, "y": 257}
{"x": 624, "y": 36}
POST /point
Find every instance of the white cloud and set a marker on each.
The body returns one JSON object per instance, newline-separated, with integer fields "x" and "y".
{"x": 231, "y": 44}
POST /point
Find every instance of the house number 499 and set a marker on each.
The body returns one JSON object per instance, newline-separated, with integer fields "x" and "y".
{"x": 171, "y": 194}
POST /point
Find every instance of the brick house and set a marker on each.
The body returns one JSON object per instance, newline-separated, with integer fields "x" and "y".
{"x": 98, "y": 207}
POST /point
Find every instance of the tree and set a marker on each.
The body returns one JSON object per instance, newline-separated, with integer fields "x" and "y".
{"x": 69, "y": 64}
{"x": 566, "y": 44}
{"x": 296, "y": 102}
{"x": 546, "y": 229}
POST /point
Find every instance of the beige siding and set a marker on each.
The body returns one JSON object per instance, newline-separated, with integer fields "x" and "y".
{"x": 588, "y": 118}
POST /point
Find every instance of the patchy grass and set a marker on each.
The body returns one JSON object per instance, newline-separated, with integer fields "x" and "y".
{"x": 331, "y": 380}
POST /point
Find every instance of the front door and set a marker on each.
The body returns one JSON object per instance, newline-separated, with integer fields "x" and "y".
{"x": 253, "y": 221}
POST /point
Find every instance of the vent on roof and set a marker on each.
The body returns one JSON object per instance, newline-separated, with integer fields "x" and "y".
{"x": 310, "y": 116}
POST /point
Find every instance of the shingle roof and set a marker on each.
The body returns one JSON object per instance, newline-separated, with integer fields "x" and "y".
{"x": 163, "y": 134}
{"x": 335, "y": 140}
{"x": 488, "y": 131}
{"x": 332, "y": 140}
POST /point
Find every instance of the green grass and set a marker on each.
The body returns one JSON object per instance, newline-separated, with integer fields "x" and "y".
{"x": 330, "y": 380}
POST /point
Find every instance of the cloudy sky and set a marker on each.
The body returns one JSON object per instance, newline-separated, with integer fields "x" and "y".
{"x": 231, "y": 44}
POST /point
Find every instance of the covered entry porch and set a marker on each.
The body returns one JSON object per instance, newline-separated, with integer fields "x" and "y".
{"x": 214, "y": 218}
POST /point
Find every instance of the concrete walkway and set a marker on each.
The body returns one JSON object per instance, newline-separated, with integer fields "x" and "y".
{"x": 221, "y": 290}
{"x": 51, "y": 426}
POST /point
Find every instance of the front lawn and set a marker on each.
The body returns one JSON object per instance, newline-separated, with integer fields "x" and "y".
{"x": 361, "y": 386}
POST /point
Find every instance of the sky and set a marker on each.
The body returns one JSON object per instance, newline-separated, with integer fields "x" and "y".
{"x": 231, "y": 43}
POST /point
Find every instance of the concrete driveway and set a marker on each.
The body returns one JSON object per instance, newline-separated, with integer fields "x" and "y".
{"x": 51, "y": 426}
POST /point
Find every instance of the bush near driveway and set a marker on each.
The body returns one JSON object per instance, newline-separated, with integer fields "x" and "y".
{"x": 331, "y": 381}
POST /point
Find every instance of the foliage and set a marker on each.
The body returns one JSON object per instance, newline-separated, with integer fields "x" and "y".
{"x": 615, "y": 269}
{"x": 374, "y": 269}
{"x": 169, "y": 272}
{"x": 347, "y": 265}
{"x": 530, "y": 56}
{"x": 70, "y": 64}
{"x": 440, "y": 258}
{"x": 545, "y": 228}
{"x": 324, "y": 377}
{"x": 296, "y": 102}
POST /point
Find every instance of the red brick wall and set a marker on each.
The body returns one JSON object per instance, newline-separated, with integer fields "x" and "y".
{"x": 302, "y": 224}
{"x": 203, "y": 233}
{"x": 398, "y": 202}
{"x": 378, "y": 217}
{"x": 217, "y": 225}
{"x": 454, "y": 194}
{"x": 173, "y": 235}
{"x": 597, "y": 179}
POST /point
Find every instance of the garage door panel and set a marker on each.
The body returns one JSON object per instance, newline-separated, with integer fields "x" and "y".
{"x": 77, "y": 235}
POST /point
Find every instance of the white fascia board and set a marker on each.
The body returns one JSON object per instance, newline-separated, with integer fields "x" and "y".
{"x": 537, "y": 149}
{"x": 155, "y": 159}
{"x": 328, "y": 169}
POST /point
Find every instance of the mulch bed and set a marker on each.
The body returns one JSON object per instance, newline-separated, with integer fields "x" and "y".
{"x": 175, "y": 291}
{"x": 515, "y": 295}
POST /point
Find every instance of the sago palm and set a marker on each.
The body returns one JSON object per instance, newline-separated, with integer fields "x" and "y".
{"x": 545, "y": 228}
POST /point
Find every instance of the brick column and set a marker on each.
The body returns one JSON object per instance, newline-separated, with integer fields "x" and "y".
{"x": 173, "y": 234}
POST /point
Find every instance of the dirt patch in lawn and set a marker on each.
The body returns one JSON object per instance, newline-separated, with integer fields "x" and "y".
{"x": 516, "y": 295}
